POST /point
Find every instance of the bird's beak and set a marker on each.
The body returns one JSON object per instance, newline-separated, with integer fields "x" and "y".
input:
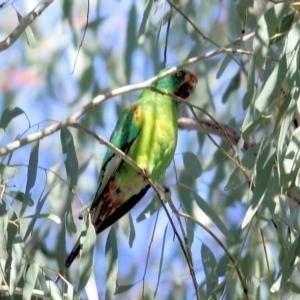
{"x": 193, "y": 80}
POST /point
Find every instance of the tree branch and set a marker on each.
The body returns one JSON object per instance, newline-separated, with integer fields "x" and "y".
{"x": 212, "y": 128}
{"x": 100, "y": 98}
{"x": 20, "y": 291}
{"x": 25, "y": 22}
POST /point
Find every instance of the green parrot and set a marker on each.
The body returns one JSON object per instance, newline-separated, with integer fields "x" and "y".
{"x": 146, "y": 132}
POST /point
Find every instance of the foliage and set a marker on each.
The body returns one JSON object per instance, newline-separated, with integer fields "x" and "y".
{"x": 229, "y": 228}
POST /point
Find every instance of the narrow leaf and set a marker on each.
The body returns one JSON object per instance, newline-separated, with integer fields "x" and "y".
{"x": 32, "y": 167}
{"x": 91, "y": 287}
{"x": 151, "y": 208}
{"x": 283, "y": 28}
{"x": 29, "y": 36}
{"x": 213, "y": 216}
{"x": 148, "y": 4}
{"x": 265, "y": 29}
{"x": 131, "y": 41}
{"x": 287, "y": 266}
{"x": 223, "y": 66}
{"x": 161, "y": 261}
{"x": 3, "y": 230}
{"x": 71, "y": 163}
{"x": 132, "y": 231}
{"x": 6, "y": 172}
{"x": 272, "y": 86}
{"x": 192, "y": 164}
{"x": 209, "y": 265}
{"x": 17, "y": 266}
{"x": 291, "y": 160}
{"x": 54, "y": 291}
{"x": 233, "y": 85}
{"x": 111, "y": 258}
{"x": 20, "y": 196}
{"x": 30, "y": 279}
{"x": 9, "y": 113}
{"x": 86, "y": 257}
{"x": 263, "y": 170}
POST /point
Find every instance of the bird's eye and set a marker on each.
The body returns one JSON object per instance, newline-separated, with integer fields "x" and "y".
{"x": 179, "y": 74}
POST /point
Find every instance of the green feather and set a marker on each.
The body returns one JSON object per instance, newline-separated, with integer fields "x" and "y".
{"x": 146, "y": 132}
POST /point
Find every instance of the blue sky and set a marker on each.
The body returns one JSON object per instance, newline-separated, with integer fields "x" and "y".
{"x": 31, "y": 82}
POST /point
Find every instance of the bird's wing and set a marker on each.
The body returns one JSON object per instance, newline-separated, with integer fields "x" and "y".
{"x": 126, "y": 131}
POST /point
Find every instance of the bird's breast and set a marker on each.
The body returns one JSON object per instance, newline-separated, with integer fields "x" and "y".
{"x": 156, "y": 143}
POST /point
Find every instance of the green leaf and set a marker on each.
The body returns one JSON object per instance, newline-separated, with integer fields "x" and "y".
{"x": 213, "y": 216}
{"x": 1, "y": 133}
{"x": 131, "y": 42}
{"x": 87, "y": 77}
{"x": 218, "y": 291}
{"x": 71, "y": 163}
{"x": 291, "y": 160}
{"x": 29, "y": 36}
{"x": 132, "y": 231}
{"x": 54, "y": 291}
{"x": 283, "y": 28}
{"x": 39, "y": 207}
{"x": 192, "y": 164}
{"x": 91, "y": 287}
{"x": 272, "y": 86}
{"x": 151, "y": 208}
{"x": 17, "y": 265}
{"x": 223, "y": 66}
{"x": 291, "y": 287}
{"x": 288, "y": 266}
{"x": 3, "y": 230}
{"x": 222, "y": 269}
{"x": 265, "y": 29}
{"x": 251, "y": 126}
{"x": 20, "y": 196}
{"x": 30, "y": 279}
{"x": 268, "y": 204}
{"x": 161, "y": 261}
{"x": 250, "y": 83}
{"x": 190, "y": 232}
{"x": 52, "y": 217}
{"x": 123, "y": 288}
{"x": 6, "y": 172}
{"x": 281, "y": 144}
{"x": 86, "y": 257}
{"x": 9, "y": 113}
{"x": 235, "y": 179}
{"x": 209, "y": 265}
{"x": 32, "y": 168}
{"x": 144, "y": 23}
{"x": 111, "y": 258}
{"x": 263, "y": 170}
{"x": 233, "y": 85}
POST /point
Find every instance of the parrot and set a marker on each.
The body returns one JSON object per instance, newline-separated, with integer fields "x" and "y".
{"x": 147, "y": 133}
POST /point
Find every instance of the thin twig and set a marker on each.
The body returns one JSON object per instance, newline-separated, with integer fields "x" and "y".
{"x": 167, "y": 37}
{"x": 84, "y": 33}
{"x": 191, "y": 268}
{"x": 148, "y": 255}
{"x": 25, "y": 22}
{"x": 235, "y": 265}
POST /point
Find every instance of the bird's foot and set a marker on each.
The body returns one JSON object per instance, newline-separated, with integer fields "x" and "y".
{"x": 146, "y": 174}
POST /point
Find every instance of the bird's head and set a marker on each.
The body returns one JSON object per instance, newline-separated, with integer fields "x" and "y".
{"x": 182, "y": 84}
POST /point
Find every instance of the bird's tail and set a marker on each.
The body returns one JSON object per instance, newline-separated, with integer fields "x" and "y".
{"x": 74, "y": 253}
